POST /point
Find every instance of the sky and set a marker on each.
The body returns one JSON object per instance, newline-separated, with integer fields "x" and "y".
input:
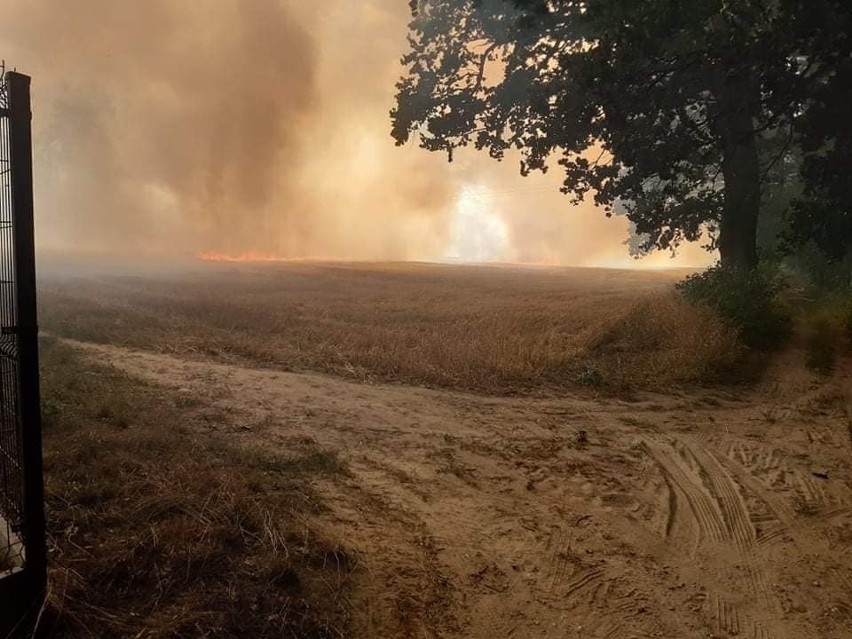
{"x": 261, "y": 127}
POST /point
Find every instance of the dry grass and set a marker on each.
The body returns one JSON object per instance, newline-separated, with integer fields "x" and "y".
{"x": 487, "y": 329}
{"x": 662, "y": 339}
{"x": 159, "y": 530}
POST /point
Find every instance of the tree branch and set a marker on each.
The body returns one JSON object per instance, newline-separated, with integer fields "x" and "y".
{"x": 483, "y": 59}
{"x": 780, "y": 154}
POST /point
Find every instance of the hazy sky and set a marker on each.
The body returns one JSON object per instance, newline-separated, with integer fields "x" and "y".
{"x": 233, "y": 126}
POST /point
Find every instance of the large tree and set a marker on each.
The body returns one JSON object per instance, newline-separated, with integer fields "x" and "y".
{"x": 656, "y": 107}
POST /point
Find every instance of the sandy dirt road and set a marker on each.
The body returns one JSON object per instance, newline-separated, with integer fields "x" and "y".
{"x": 694, "y": 515}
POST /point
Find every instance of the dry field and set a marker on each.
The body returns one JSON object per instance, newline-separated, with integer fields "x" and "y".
{"x": 495, "y": 330}
{"x": 526, "y": 453}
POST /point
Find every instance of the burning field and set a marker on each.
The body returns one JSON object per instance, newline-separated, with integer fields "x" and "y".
{"x": 449, "y": 319}
{"x": 417, "y": 450}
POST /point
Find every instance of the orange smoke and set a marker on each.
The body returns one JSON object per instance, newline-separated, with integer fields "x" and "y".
{"x": 251, "y": 131}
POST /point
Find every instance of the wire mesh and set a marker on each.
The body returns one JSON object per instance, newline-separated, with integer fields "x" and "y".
{"x": 11, "y": 472}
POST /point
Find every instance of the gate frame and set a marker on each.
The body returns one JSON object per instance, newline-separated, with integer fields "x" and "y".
{"x": 22, "y": 593}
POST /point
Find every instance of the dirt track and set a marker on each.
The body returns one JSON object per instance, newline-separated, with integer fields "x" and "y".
{"x": 678, "y": 516}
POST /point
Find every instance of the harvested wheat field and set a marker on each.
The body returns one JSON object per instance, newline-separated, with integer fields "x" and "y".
{"x": 527, "y": 453}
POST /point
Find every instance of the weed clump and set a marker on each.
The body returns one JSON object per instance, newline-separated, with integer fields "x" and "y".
{"x": 749, "y": 301}
{"x": 827, "y": 332}
{"x": 590, "y": 377}
{"x": 821, "y": 344}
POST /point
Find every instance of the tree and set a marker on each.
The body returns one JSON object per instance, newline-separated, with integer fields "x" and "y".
{"x": 652, "y": 106}
{"x": 823, "y": 213}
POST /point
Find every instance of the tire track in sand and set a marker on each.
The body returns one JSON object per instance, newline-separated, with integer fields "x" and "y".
{"x": 786, "y": 521}
{"x": 603, "y": 603}
{"x": 716, "y": 502}
{"x": 682, "y": 477}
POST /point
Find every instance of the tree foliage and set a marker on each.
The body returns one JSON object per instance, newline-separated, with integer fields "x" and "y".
{"x": 655, "y": 107}
{"x": 823, "y": 214}
{"x": 749, "y": 301}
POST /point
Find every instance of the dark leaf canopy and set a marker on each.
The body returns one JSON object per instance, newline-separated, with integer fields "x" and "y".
{"x": 621, "y": 95}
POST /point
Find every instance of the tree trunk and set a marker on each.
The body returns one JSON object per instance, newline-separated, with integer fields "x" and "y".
{"x": 739, "y": 101}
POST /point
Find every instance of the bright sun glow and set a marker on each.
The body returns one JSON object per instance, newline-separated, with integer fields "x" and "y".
{"x": 477, "y": 232}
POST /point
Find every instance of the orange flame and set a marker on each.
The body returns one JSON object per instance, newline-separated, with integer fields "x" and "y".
{"x": 250, "y": 256}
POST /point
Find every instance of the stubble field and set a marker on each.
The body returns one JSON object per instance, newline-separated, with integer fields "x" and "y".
{"x": 486, "y": 451}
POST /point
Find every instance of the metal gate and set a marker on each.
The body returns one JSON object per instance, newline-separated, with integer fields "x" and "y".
{"x": 22, "y": 532}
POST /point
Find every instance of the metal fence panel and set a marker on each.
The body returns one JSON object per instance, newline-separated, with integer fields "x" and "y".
{"x": 22, "y": 531}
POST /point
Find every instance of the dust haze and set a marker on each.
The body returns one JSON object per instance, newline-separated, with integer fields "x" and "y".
{"x": 171, "y": 127}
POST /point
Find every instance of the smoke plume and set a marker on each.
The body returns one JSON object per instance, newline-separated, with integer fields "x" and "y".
{"x": 173, "y": 127}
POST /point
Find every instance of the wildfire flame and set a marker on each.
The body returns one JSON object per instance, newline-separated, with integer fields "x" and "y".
{"x": 250, "y": 256}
